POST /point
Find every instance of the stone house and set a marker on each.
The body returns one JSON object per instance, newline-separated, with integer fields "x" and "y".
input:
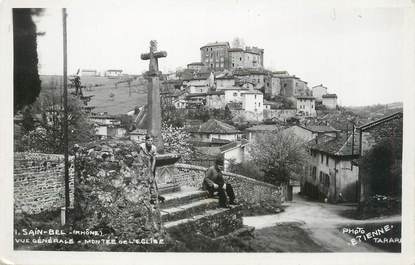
{"x": 215, "y": 55}
{"x": 250, "y": 57}
{"x": 330, "y": 101}
{"x": 253, "y": 103}
{"x": 319, "y": 91}
{"x": 307, "y": 133}
{"x": 108, "y": 127}
{"x": 213, "y": 130}
{"x": 138, "y": 135}
{"x": 373, "y": 133}
{"x": 260, "y": 78}
{"x": 196, "y": 66}
{"x": 224, "y": 82}
{"x": 215, "y": 100}
{"x": 291, "y": 86}
{"x": 113, "y": 73}
{"x": 330, "y": 173}
{"x": 257, "y": 131}
{"x": 234, "y": 94}
{"x": 278, "y": 114}
{"x": 306, "y": 106}
{"x": 235, "y": 152}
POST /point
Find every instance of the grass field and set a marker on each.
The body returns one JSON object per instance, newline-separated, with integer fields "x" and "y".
{"x": 101, "y": 88}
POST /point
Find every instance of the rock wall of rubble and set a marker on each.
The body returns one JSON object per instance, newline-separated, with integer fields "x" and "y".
{"x": 39, "y": 182}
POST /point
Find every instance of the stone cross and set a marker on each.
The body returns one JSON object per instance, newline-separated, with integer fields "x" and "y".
{"x": 153, "y": 94}
{"x": 153, "y": 56}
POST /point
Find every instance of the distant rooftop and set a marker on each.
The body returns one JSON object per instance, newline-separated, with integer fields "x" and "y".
{"x": 211, "y": 44}
{"x": 329, "y": 96}
{"x": 215, "y": 126}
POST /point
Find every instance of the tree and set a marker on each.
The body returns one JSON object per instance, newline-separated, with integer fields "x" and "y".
{"x": 172, "y": 116}
{"x": 26, "y": 77}
{"x": 48, "y": 136}
{"x": 381, "y": 168}
{"x": 280, "y": 156}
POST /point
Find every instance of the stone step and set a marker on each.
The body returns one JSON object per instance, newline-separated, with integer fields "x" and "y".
{"x": 213, "y": 223}
{"x": 183, "y": 196}
{"x": 188, "y": 210}
{"x": 168, "y": 188}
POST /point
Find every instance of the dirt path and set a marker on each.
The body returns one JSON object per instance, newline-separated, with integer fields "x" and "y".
{"x": 322, "y": 222}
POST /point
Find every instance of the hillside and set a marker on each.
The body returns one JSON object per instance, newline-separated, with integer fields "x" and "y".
{"x": 101, "y": 88}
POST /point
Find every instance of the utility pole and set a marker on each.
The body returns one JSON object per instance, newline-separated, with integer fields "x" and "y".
{"x": 65, "y": 119}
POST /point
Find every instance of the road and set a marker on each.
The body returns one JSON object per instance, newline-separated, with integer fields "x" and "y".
{"x": 323, "y": 222}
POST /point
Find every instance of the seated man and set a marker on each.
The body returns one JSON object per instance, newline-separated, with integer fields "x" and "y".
{"x": 214, "y": 182}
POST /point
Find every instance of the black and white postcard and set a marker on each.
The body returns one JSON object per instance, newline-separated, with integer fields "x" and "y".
{"x": 238, "y": 131}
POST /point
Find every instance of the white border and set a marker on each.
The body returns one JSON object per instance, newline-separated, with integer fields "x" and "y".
{"x": 8, "y": 256}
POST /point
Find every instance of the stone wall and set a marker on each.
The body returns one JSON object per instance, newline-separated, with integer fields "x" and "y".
{"x": 392, "y": 129}
{"x": 281, "y": 114}
{"x": 39, "y": 182}
{"x": 246, "y": 189}
{"x": 114, "y": 190}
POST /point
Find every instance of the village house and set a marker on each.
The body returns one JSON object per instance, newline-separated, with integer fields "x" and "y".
{"x": 253, "y": 105}
{"x": 138, "y": 135}
{"x": 306, "y": 106}
{"x": 330, "y": 101}
{"x": 257, "y": 131}
{"x": 113, "y": 73}
{"x": 250, "y": 57}
{"x": 234, "y": 94}
{"x": 290, "y": 85}
{"x": 307, "y": 133}
{"x": 215, "y": 56}
{"x": 224, "y": 81}
{"x": 274, "y": 89}
{"x": 216, "y": 100}
{"x": 373, "y": 133}
{"x": 195, "y": 100}
{"x": 260, "y": 78}
{"x": 107, "y": 127}
{"x": 196, "y": 66}
{"x": 235, "y": 152}
{"x": 214, "y": 132}
{"x": 330, "y": 173}
{"x": 319, "y": 91}
{"x": 88, "y": 72}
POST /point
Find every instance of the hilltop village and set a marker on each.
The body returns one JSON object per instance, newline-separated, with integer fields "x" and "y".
{"x": 277, "y": 138}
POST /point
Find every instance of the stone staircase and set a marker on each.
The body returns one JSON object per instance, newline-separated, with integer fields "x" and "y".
{"x": 189, "y": 210}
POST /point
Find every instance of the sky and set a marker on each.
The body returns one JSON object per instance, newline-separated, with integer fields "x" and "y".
{"x": 356, "y": 51}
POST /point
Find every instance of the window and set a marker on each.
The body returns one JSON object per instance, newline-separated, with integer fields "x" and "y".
{"x": 285, "y": 85}
{"x": 235, "y": 94}
{"x": 320, "y": 178}
{"x": 327, "y": 160}
{"x": 255, "y": 96}
{"x": 259, "y": 104}
{"x": 322, "y": 157}
{"x": 314, "y": 173}
{"x": 240, "y": 58}
{"x": 233, "y": 65}
{"x": 211, "y": 65}
{"x": 326, "y": 180}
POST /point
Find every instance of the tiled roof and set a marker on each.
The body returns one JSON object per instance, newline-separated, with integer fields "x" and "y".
{"x": 263, "y": 127}
{"x": 232, "y": 145}
{"x": 224, "y": 43}
{"x": 379, "y": 121}
{"x": 193, "y": 95}
{"x": 215, "y": 126}
{"x": 235, "y": 50}
{"x": 338, "y": 146}
{"x": 250, "y": 71}
{"x": 234, "y": 105}
{"x": 305, "y": 97}
{"x": 210, "y": 151}
{"x": 196, "y": 63}
{"x": 329, "y": 96}
{"x": 252, "y": 92}
{"x": 319, "y": 128}
{"x": 139, "y": 132}
{"x": 220, "y": 92}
